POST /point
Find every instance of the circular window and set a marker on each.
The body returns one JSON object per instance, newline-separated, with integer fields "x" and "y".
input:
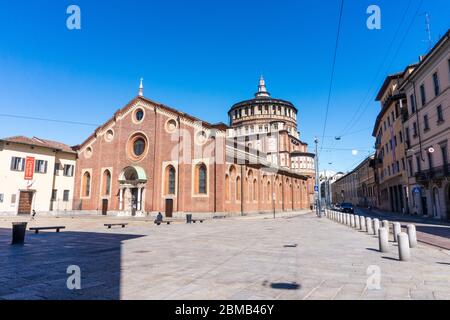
{"x": 139, "y": 115}
{"x": 137, "y": 146}
{"x": 88, "y": 152}
{"x": 171, "y": 125}
{"x": 109, "y": 135}
{"x": 201, "y": 137}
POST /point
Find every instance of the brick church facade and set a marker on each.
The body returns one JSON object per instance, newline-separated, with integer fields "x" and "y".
{"x": 152, "y": 158}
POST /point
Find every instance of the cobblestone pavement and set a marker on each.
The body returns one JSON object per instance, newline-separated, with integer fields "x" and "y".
{"x": 292, "y": 257}
{"x": 433, "y": 232}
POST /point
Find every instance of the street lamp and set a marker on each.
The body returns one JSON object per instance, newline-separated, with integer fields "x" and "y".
{"x": 317, "y": 186}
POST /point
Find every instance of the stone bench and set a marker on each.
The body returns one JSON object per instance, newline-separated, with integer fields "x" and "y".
{"x": 37, "y": 229}
{"x": 110, "y": 225}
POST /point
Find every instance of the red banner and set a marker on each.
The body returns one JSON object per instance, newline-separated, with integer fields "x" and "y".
{"x": 29, "y": 168}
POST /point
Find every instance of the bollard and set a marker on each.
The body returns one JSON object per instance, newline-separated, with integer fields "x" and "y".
{"x": 385, "y": 224}
{"x": 397, "y": 229}
{"x": 376, "y": 226}
{"x": 362, "y": 223}
{"x": 352, "y": 221}
{"x": 383, "y": 240}
{"x": 348, "y": 220}
{"x": 345, "y": 219}
{"x": 357, "y": 222}
{"x": 412, "y": 236}
{"x": 340, "y": 217}
{"x": 404, "y": 254}
{"x": 369, "y": 227}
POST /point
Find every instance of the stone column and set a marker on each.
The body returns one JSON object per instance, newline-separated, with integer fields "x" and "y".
{"x": 139, "y": 199}
{"x": 121, "y": 199}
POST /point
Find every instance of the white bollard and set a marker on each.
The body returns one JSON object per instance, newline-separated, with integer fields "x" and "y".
{"x": 349, "y": 219}
{"x": 376, "y": 226}
{"x": 341, "y": 218}
{"x": 404, "y": 253}
{"x": 412, "y": 236}
{"x": 385, "y": 224}
{"x": 383, "y": 240}
{"x": 357, "y": 222}
{"x": 362, "y": 223}
{"x": 397, "y": 229}
{"x": 369, "y": 227}
{"x": 352, "y": 220}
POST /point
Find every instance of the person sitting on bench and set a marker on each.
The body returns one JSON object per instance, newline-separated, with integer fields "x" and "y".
{"x": 159, "y": 217}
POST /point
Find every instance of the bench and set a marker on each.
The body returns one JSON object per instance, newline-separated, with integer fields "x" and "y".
{"x": 37, "y": 229}
{"x": 109, "y": 225}
{"x": 197, "y": 220}
{"x": 159, "y": 222}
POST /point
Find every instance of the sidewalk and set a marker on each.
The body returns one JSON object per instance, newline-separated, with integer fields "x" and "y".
{"x": 429, "y": 231}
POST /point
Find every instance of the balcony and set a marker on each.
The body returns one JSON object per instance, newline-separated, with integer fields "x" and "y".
{"x": 433, "y": 174}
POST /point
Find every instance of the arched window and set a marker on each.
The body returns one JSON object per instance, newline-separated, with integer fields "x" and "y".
{"x": 238, "y": 188}
{"x": 255, "y": 190}
{"x": 170, "y": 180}
{"x": 227, "y": 188}
{"x": 106, "y": 183}
{"x": 201, "y": 179}
{"x": 268, "y": 192}
{"x": 86, "y": 185}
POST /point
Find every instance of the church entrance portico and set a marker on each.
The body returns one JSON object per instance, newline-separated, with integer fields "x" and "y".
{"x": 132, "y": 183}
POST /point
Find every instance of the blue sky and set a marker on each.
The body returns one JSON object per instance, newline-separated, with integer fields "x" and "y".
{"x": 203, "y": 56}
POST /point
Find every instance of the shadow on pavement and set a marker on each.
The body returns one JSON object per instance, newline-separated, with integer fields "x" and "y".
{"x": 38, "y": 269}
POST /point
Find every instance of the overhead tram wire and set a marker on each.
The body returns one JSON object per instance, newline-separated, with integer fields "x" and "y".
{"x": 341, "y": 11}
{"x": 395, "y": 56}
{"x": 5, "y": 115}
{"x": 375, "y": 79}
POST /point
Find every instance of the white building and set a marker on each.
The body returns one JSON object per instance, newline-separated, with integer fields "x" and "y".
{"x": 35, "y": 174}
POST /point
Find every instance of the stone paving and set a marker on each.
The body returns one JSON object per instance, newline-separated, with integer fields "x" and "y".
{"x": 292, "y": 257}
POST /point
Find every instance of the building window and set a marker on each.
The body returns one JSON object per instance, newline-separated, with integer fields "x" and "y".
{"x": 415, "y": 129}
{"x": 444, "y": 155}
{"x": 68, "y": 170}
{"x": 139, "y": 115}
{"x": 170, "y": 180}
{"x": 86, "y": 185}
{"x": 238, "y": 188}
{"x": 419, "y": 167}
{"x": 227, "y": 188}
{"x": 17, "y": 164}
{"x": 40, "y": 166}
{"x": 410, "y": 165}
{"x": 137, "y": 146}
{"x": 200, "y": 179}
{"x": 57, "y": 168}
{"x": 412, "y": 102}
{"x": 13, "y": 199}
{"x": 54, "y": 194}
{"x": 423, "y": 96}
{"x": 430, "y": 160}
{"x": 437, "y": 89}
{"x": 440, "y": 114}
{"x": 1, "y": 197}
{"x": 106, "y": 183}
{"x": 66, "y": 195}
{"x": 426, "y": 124}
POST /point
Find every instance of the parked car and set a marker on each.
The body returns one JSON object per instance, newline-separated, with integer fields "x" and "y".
{"x": 347, "y": 208}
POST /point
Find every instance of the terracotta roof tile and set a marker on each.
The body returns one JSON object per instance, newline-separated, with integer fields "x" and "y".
{"x": 38, "y": 142}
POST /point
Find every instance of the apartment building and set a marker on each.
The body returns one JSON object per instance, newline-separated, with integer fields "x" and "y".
{"x": 35, "y": 174}
{"x": 358, "y": 186}
{"x": 427, "y": 133}
{"x": 390, "y": 165}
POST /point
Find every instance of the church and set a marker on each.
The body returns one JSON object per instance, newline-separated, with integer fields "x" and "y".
{"x": 149, "y": 157}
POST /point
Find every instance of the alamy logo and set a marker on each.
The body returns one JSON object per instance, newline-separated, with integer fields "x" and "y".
{"x": 374, "y": 20}
{"x": 374, "y": 279}
{"x": 74, "y": 280}
{"x": 73, "y": 22}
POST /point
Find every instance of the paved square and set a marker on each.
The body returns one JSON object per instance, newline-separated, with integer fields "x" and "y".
{"x": 293, "y": 257}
